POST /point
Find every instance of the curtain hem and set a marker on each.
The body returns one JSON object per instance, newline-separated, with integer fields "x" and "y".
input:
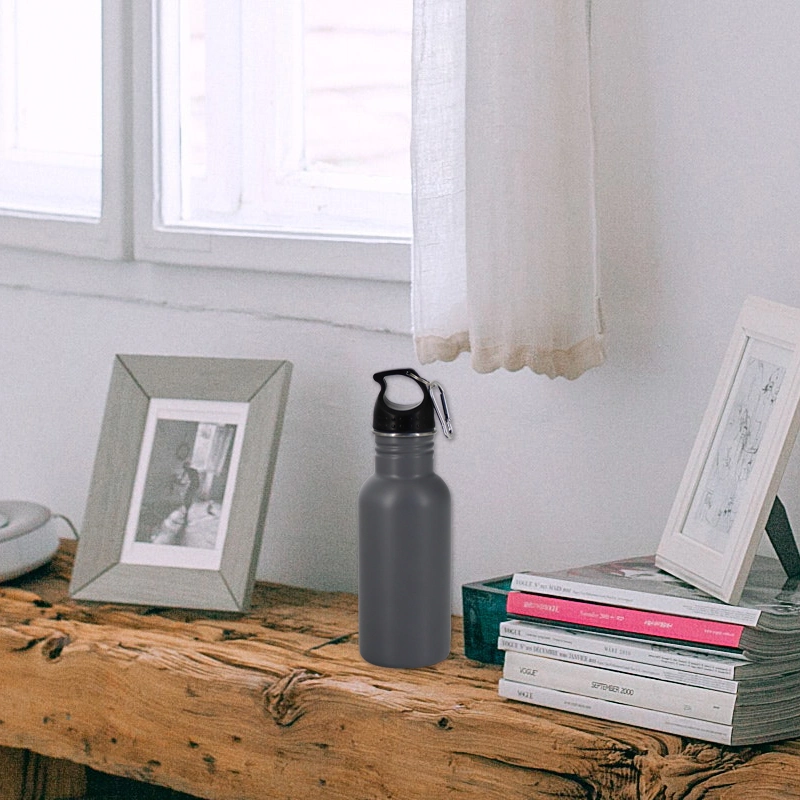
{"x": 569, "y": 364}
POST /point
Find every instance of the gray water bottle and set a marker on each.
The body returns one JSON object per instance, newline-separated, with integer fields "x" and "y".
{"x": 404, "y": 536}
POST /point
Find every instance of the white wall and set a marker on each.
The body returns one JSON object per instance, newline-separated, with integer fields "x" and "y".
{"x": 698, "y": 153}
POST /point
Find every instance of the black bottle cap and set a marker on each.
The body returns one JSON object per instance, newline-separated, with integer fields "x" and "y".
{"x": 390, "y": 417}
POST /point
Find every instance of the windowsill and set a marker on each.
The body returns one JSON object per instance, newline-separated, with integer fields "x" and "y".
{"x": 324, "y": 293}
{"x": 332, "y": 256}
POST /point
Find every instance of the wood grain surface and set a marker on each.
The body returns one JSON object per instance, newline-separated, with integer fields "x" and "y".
{"x": 278, "y": 703}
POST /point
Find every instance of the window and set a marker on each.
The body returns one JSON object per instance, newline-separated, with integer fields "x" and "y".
{"x": 288, "y": 116}
{"x": 50, "y": 107}
{"x": 234, "y": 132}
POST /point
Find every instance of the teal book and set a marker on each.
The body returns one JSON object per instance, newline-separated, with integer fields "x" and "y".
{"x": 484, "y": 605}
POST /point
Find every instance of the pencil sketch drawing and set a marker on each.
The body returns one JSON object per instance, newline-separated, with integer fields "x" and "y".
{"x": 737, "y": 445}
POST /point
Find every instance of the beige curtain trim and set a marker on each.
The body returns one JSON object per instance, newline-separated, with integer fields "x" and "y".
{"x": 568, "y": 364}
{"x": 439, "y": 348}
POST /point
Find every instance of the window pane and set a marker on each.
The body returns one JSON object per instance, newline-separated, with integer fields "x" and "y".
{"x": 285, "y": 115}
{"x": 193, "y": 87}
{"x": 51, "y": 106}
{"x": 357, "y": 58}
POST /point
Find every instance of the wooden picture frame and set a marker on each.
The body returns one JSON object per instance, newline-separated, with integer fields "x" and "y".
{"x": 739, "y": 456}
{"x": 181, "y": 482}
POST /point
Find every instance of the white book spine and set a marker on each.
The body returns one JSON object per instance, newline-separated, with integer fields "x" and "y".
{"x": 617, "y": 664}
{"x": 616, "y": 712}
{"x": 619, "y": 687}
{"x": 630, "y": 598}
{"x": 622, "y": 647}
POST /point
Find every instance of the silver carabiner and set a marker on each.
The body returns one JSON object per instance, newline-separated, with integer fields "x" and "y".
{"x": 445, "y": 420}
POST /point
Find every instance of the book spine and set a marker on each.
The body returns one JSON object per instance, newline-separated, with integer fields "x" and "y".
{"x": 616, "y": 712}
{"x": 630, "y": 598}
{"x": 619, "y": 687}
{"x": 617, "y": 646}
{"x": 617, "y": 664}
{"x": 629, "y": 620}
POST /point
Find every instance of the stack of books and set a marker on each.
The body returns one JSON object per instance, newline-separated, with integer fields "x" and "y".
{"x": 624, "y": 641}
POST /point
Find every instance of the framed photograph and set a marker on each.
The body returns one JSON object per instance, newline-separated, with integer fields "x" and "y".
{"x": 181, "y": 482}
{"x": 739, "y": 456}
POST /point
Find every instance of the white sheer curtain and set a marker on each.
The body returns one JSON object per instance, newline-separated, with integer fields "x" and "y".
{"x": 503, "y": 186}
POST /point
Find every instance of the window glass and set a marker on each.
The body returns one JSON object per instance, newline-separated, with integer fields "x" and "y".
{"x": 51, "y": 107}
{"x": 285, "y": 116}
{"x": 357, "y": 97}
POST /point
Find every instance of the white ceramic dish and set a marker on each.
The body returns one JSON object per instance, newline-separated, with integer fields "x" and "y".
{"x": 28, "y": 539}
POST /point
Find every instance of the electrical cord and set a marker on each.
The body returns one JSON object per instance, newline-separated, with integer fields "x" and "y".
{"x": 69, "y": 522}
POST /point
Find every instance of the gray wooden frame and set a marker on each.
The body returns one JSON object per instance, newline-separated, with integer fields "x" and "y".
{"x": 136, "y": 379}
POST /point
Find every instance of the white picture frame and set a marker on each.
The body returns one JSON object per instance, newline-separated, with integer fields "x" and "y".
{"x": 739, "y": 456}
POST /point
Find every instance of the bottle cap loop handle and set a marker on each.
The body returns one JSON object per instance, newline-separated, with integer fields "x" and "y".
{"x": 403, "y": 422}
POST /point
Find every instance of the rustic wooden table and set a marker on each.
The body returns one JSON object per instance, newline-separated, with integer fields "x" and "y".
{"x": 278, "y": 703}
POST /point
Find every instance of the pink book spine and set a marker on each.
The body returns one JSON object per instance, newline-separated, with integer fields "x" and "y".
{"x": 629, "y": 620}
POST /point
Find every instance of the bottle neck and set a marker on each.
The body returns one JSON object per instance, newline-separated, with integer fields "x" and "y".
{"x": 403, "y": 456}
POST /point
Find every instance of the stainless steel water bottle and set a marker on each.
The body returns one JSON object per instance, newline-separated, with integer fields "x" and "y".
{"x": 404, "y": 535}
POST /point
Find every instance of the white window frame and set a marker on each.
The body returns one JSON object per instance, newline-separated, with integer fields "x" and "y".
{"x": 366, "y": 257}
{"x": 128, "y": 230}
